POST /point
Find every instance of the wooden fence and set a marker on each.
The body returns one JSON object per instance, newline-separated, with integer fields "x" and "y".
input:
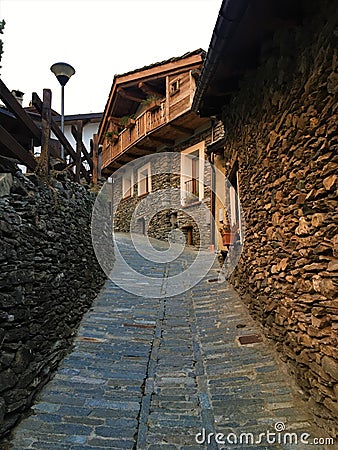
{"x": 41, "y": 136}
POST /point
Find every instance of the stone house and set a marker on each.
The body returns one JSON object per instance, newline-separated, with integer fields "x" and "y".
{"x": 271, "y": 75}
{"x": 153, "y": 147}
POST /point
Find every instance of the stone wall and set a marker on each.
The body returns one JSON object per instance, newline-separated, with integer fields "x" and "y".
{"x": 281, "y": 126}
{"x": 48, "y": 279}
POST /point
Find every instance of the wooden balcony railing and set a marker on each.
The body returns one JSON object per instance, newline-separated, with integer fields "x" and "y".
{"x": 148, "y": 121}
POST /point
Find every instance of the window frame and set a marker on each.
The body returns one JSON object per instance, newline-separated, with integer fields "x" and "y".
{"x": 234, "y": 200}
{"x": 175, "y": 86}
{"x": 140, "y": 170}
{"x": 187, "y": 174}
{"x": 127, "y": 175}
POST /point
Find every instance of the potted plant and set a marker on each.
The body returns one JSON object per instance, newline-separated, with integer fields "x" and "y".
{"x": 112, "y": 135}
{"x": 227, "y": 234}
{"x": 152, "y": 103}
{"x": 127, "y": 121}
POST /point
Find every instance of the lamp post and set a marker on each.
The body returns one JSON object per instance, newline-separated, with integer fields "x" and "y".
{"x": 63, "y": 72}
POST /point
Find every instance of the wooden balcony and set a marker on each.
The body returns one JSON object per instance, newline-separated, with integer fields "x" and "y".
{"x": 147, "y": 122}
{"x": 159, "y": 98}
{"x": 152, "y": 129}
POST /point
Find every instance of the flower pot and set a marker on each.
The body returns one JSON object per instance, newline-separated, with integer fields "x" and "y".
{"x": 131, "y": 123}
{"x": 228, "y": 238}
{"x": 154, "y": 104}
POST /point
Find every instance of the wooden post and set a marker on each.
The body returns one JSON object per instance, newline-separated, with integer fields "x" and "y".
{"x": 99, "y": 164}
{"x": 85, "y": 155}
{"x": 145, "y": 120}
{"x": 46, "y": 116}
{"x": 79, "y": 128}
{"x": 60, "y": 136}
{"x": 95, "y": 143}
{"x": 167, "y": 100}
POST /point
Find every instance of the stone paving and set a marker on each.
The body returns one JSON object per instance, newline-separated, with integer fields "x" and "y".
{"x": 165, "y": 373}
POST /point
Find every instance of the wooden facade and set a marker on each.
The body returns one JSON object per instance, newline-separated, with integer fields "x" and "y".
{"x": 149, "y": 110}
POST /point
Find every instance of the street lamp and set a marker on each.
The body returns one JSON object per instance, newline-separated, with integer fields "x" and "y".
{"x": 63, "y": 72}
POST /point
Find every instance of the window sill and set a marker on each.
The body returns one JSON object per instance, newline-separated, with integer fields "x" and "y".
{"x": 143, "y": 195}
{"x": 171, "y": 94}
{"x": 189, "y": 205}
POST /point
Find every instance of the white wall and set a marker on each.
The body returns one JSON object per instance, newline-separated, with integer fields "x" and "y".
{"x": 88, "y": 131}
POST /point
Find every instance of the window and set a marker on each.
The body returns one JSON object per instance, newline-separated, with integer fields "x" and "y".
{"x": 127, "y": 184}
{"x": 192, "y": 174}
{"x": 144, "y": 180}
{"x": 174, "y": 86}
{"x": 234, "y": 202}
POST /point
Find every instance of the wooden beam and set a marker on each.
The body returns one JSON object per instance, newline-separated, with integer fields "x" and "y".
{"x": 74, "y": 122}
{"x": 46, "y": 117}
{"x": 161, "y": 140}
{"x": 148, "y": 90}
{"x": 87, "y": 156}
{"x": 14, "y": 106}
{"x": 135, "y": 155}
{"x": 61, "y": 137}
{"x": 181, "y": 129}
{"x": 127, "y": 158}
{"x": 77, "y": 133}
{"x": 94, "y": 144}
{"x": 129, "y": 96}
{"x": 16, "y": 150}
{"x": 161, "y": 70}
{"x": 144, "y": 148}
{"x": 115, "y": 120}
{"x": 85, "y": 152}
{"x": 107, "y": 171}
{"x": 114, "y": 164}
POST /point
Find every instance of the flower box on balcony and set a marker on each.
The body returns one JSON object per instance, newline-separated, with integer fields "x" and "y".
{"x": 112, "y": 136}
{"x": 127, "y": 122}
{"x": 154, "y": 104}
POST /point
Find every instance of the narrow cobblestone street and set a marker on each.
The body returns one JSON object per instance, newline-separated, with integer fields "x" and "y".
{"x": 149, "y": 373}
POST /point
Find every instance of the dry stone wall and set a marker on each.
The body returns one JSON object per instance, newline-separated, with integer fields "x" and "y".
{"x": 282, "y": 128}
{"x": 48, "y": 279}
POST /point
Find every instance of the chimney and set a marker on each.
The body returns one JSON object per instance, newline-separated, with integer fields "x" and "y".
{"x": 18, "y": 95}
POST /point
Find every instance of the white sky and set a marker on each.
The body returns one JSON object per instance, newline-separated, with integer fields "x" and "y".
{"x": 99, "y": 38}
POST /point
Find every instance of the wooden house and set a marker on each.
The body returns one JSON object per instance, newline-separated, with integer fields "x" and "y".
{"x": 149, "y": 109}
{"x": 148, "y": 112}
